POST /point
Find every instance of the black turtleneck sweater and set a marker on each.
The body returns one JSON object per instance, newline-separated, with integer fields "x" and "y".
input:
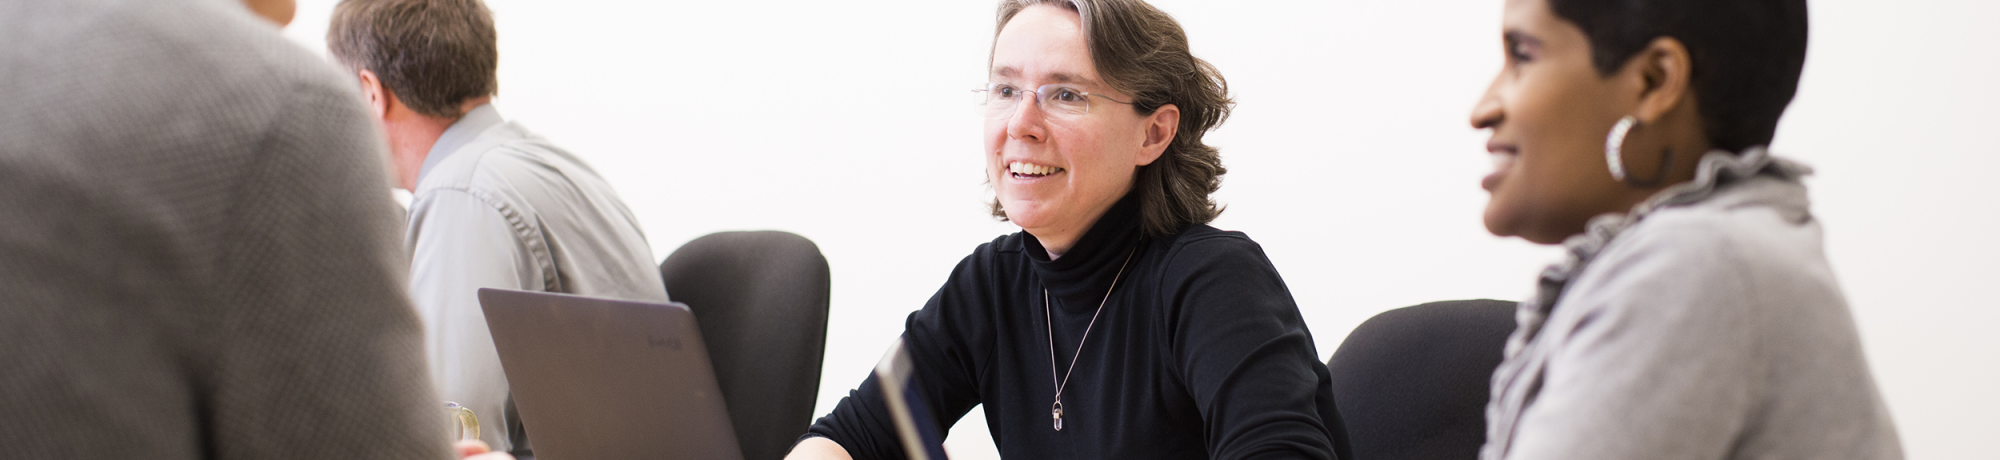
{"x": 1200, "y": 353}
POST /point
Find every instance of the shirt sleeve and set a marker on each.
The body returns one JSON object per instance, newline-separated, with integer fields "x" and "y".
{"x": 941, "y": 350}
{"x": 320, "y": 353}
{"x": 1661, "y": 365}
{"x": 460, "y": 243}
{"x": 1246, "y": 355}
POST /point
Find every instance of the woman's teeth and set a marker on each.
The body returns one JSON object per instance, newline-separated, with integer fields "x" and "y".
{"x": 1029, "y": 169}
{"x": 1501, "y": 163}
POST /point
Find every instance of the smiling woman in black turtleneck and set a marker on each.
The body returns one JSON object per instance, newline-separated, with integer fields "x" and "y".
{"x": 1117, "y": 324}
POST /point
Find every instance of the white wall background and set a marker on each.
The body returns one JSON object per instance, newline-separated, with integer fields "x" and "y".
{"x": 1350, "y": 157}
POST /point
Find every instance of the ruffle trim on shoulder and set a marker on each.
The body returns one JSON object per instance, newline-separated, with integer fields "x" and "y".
{"x": 1717, "y": 168}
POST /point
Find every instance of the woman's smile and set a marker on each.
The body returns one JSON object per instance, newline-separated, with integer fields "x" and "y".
{"x": 1503, "y": 157}
{"x": 1021, "y": 170}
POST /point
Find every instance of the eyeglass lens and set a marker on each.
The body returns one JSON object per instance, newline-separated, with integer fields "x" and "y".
{"x": 1001, "y": 100}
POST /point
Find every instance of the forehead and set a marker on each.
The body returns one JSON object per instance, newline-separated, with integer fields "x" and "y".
{"x": 1526, "y": 15}
{"x": 1043, "y": 44}
{"x": 1532, "y": 21}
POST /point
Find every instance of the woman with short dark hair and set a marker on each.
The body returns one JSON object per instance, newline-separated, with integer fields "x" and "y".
{"x": 1695, "y": 316}
{"x": 1117, "y": 324}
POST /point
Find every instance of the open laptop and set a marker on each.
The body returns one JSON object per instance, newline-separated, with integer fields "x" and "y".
{"x": 915, "y": 425}
{"x": 609, "y": 379}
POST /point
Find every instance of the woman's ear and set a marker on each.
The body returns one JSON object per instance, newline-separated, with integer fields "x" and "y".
{"x": 1665, "y": 72}
{"x": 1160, "y": 129}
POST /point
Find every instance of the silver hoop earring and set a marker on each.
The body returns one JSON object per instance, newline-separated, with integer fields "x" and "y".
{"x": 1614, "y": 145}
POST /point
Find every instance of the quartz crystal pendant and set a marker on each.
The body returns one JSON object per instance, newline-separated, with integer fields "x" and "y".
{"x": 1055, "y": 412}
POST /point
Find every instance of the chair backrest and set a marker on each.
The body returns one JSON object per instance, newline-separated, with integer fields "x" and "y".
{"x": 1412, "y": 383}
{"x": 761, "y": 300}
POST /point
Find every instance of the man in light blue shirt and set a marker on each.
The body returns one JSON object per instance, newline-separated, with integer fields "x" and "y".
{"x": 494, "y": 206}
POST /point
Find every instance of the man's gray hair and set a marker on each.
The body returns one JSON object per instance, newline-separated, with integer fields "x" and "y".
{"x": 432, "y": 54}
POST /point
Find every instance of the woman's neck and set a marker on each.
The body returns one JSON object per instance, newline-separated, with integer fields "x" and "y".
{"x": 1059, "y": 238}
{"x": 1089, "y": 258}
{"x": 1059, "y": 242}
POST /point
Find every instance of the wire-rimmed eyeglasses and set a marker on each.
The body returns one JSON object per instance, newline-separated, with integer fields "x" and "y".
{"x": 1000, "y": 100}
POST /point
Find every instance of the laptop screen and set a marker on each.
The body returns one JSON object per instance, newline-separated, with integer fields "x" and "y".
{"x": 914, "y": 419}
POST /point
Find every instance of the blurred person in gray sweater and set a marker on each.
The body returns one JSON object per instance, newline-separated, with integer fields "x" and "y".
{"x": 199, "y": 254}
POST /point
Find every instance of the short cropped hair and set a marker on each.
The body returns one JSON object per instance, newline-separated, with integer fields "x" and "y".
{"x": 1143, "y": 52}
{"x": 433, "y": 54}
{"x": 1747, "y": 54}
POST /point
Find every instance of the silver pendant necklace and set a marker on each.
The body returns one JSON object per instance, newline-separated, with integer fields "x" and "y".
{"x": 1056, "y": 410}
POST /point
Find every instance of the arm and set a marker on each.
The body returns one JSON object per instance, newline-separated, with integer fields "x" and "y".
{"x": 1662, "y": 364}
{"x": 320, "y": 354}
{"x": 460, "y": 243}
{"x": 938, "y": 338}
{"x": 818, "y": 448}
{"x": 1246, "y": 355}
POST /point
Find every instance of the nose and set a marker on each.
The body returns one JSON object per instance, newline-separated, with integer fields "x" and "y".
{"x": 1028, "y": 122}
{"x": 1489, "y": 112}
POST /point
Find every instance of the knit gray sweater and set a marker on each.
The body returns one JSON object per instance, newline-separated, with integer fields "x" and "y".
{"x": 198, "y": 254}
{"x": 1705, "y": 324}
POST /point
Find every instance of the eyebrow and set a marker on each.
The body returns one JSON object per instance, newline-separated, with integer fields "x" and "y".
{"x": 1515, "y": 37}
{"x": 1057, "y": 77}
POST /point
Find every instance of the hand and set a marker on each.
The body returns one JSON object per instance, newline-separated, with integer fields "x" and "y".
{"x": 817, "y": 448}
{"x": 477, "y": 450}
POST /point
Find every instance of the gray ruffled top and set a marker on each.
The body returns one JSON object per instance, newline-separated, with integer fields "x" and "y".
{"x": 1703, "y": 324}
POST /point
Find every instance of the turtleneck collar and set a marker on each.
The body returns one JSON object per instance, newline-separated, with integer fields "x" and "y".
{"x": 1079, "y": 278}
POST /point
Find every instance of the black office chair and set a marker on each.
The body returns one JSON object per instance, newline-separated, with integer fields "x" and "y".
{"x": 761, "y": 299}
{"x": 1412, "y": 383}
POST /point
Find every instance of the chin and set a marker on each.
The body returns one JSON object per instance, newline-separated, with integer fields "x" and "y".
{"x": 1543, "y": 238}
{"x": 1024, "y": 214}
{"x": 1504, "y": 223}
{"x": 1026, "y": 220}
{"x": 1496, "y": 221}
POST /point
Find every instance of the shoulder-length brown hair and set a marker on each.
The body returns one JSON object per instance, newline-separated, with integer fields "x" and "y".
{"x": 1142, "y": 52}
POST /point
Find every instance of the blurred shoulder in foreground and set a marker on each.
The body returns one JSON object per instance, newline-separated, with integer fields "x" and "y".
{"x": 198, "y": 252}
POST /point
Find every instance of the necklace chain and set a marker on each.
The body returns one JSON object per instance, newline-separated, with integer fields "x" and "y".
{"x": 1055, "y": 410}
